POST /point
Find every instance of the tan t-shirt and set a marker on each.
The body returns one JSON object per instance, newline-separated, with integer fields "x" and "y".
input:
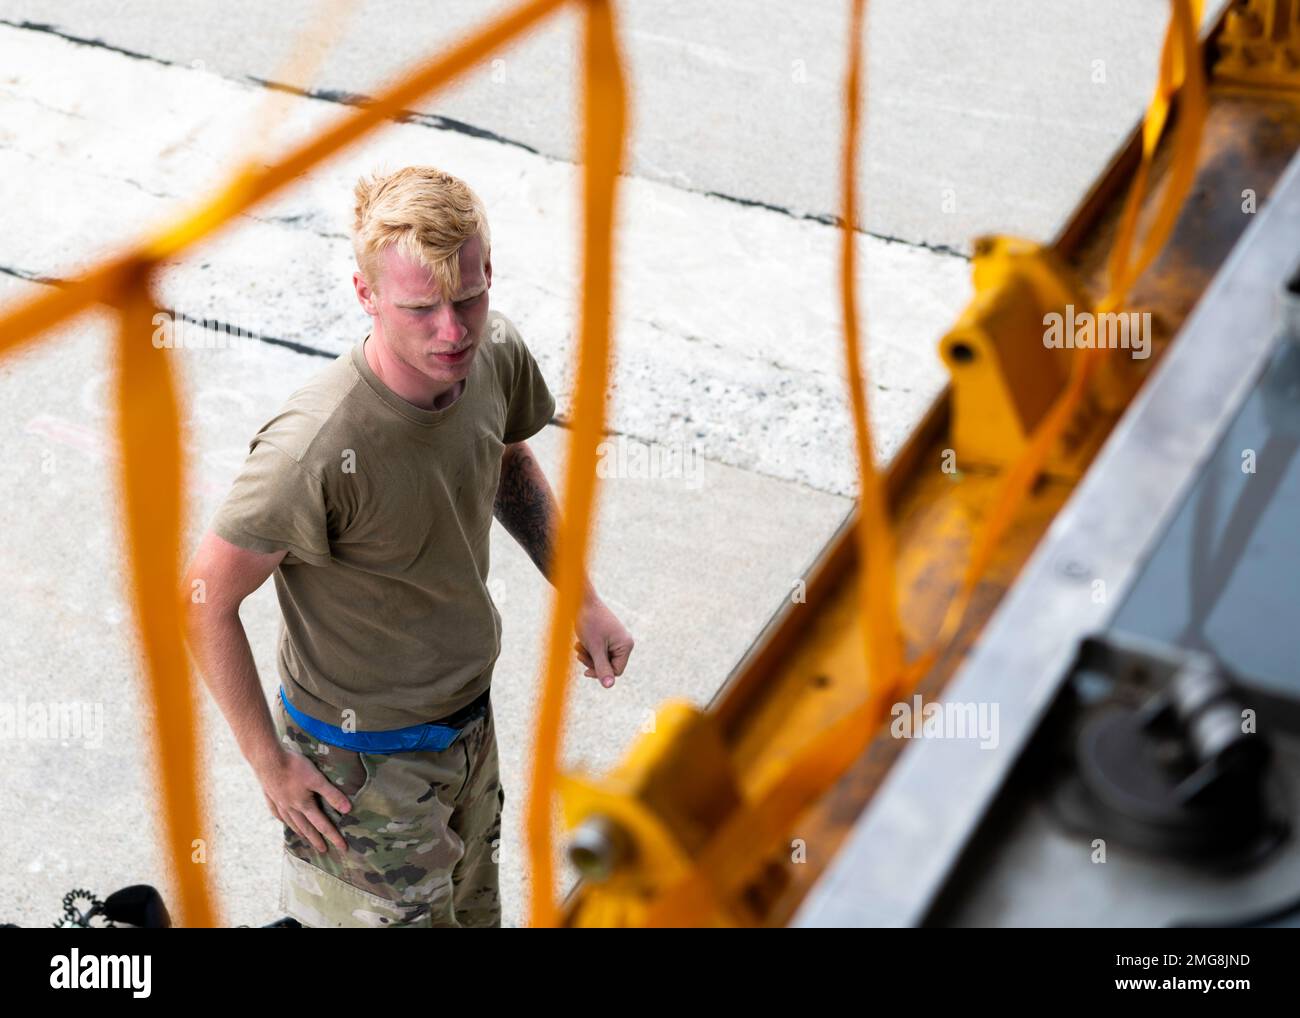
{"x": 385, "y": 511}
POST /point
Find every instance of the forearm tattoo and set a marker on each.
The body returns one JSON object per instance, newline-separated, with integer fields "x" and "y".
{"x": 526, "y": 508}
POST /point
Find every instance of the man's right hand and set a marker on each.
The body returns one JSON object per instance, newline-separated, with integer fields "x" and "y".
{"x": 290, "y": 785}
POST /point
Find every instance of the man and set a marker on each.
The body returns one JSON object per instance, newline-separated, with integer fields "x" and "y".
{"x": 370, "y": 495}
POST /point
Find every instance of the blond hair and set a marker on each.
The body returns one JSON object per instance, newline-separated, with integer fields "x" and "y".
{"x": 426, "y": 213}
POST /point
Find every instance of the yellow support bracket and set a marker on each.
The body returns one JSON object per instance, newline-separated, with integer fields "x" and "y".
{"x": 1260, "y": 45}
{"x": 1006, "y": 371}
{"x": 639, "y": 828}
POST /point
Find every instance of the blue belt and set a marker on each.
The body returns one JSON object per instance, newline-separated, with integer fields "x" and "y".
{"x": 430, "y": 735}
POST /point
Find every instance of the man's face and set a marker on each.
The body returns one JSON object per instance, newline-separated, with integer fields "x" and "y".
{"x": 419, "y": 325}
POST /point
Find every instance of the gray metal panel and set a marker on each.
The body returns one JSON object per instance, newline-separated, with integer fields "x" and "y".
{"x": 895, "y": 861}
{"x": 1226, "y": 576}
{"x": 1035, "y": 874}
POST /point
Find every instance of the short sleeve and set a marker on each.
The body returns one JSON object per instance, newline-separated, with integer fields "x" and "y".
{"x": 276, "y": 504}
{"x": 529, "y": 403}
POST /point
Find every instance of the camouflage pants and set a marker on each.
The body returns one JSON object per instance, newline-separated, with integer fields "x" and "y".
{"x": 423, "y": 836}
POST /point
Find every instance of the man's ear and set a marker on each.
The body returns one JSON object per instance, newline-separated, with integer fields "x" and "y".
{"x": 364, "y": 294}
{"x": 487, "y": 271}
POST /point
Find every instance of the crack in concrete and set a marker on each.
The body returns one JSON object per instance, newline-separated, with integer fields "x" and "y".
{"x": 30, "y": 277}
{"x": 828, "y": 219}
{"x": 215, "y": 324}
{"x": 37, "y": 26}
{"x": 433, "y": 120}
